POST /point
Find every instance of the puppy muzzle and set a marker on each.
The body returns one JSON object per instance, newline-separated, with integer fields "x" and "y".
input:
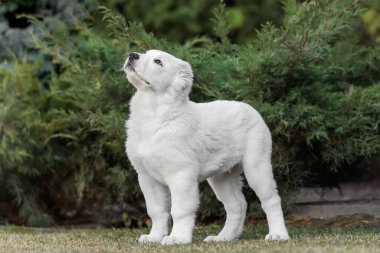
{"x": 129, "y": 63}
{"x": 129, "y": 66}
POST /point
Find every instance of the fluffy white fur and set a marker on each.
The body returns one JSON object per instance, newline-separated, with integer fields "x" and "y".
{"x": 174, "y": 143}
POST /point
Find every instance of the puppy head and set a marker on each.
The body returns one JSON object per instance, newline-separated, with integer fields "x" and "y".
{"x": 159, "y": 72}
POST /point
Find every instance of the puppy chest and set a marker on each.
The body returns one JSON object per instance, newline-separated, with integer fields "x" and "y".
{"x": 149, "y": 158}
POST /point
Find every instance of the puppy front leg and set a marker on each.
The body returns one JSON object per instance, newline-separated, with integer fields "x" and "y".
{"x": 185, "y": 199}
{"x": 157, "y": 203}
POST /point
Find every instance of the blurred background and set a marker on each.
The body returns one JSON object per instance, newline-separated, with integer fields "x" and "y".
{"x": 312, "y": 68}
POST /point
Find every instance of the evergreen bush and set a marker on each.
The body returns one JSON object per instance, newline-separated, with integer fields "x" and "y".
{"x": 314, "y": 79}
{"x": 180, "y": 20}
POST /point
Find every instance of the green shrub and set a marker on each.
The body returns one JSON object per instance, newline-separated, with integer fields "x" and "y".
{"x": 180, "y": 20}
{"x": 62, "y": 137}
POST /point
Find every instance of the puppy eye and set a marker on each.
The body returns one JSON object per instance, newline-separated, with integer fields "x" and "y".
{"x": 159, "y": 62}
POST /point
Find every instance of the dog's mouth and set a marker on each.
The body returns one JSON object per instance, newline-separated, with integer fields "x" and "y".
{"x": 130, "y": 68}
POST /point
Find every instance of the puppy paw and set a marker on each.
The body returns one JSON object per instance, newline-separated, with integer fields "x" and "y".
{"x": 216, "y": 238}
{"x": 173, "y": 240}
{"x": 150, "y": 239}
{"x": 277, "y": 237}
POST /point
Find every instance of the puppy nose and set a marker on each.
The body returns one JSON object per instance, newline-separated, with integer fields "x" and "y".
{"x": 134, "y": 56}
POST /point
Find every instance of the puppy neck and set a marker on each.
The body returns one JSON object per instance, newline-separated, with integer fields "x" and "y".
{"x": 158, "y": 105}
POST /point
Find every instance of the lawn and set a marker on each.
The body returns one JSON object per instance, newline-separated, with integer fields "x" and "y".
{"x": 305, "y": 238}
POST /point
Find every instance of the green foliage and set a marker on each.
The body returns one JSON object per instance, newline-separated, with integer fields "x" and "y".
{"x": 371, "y": 20}
{"x": 54, "y": 150}
{"x": 221, "y": 25}
{"x": 62, "y": 135}
{"x": 180, "y": 20}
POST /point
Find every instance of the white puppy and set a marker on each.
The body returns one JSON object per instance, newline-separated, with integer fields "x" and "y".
{"x": 174, "y": 143}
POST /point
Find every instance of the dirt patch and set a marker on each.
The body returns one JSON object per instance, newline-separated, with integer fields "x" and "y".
{"x": 347, "y": 221}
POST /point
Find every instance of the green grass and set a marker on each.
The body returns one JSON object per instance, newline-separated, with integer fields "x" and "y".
{"x": 304, "y": 239}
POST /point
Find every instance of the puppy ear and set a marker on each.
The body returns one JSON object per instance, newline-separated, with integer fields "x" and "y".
{"x": 184, "y": 78}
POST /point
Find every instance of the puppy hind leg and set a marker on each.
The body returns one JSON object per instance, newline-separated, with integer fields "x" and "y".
{"x": 259, "y": 175}
{"x": 227, "y": 188}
